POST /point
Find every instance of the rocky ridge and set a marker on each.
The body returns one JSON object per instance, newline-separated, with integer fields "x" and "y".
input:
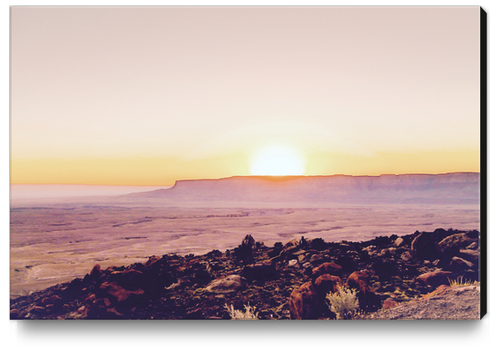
{"x": 285, "y": 281}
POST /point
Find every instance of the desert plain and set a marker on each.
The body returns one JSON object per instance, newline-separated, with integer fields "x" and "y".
{"x": 55, "y": 240}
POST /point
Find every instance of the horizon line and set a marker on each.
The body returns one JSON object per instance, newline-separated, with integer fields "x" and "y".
{"x": 271, "y": 177}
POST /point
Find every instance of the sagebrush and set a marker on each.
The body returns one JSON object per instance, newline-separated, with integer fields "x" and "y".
{"x": 344, "y": 303}
{"x": 249, "y": 312}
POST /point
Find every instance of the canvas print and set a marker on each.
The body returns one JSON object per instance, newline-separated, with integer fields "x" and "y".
{"x": 245, "y": 163}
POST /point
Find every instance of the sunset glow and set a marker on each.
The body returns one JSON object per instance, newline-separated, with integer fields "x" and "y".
{"x": 148, "y": 96}
{"x": 277, "y": 161}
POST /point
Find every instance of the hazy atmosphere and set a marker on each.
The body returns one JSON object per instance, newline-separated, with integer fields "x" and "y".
{"x": 171, "y": 162}
{"x": 147, "y": 96}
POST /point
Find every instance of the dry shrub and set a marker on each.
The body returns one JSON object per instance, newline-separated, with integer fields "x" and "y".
{"x": 461, "y": 282}
{"x": 344, "y": 303}
{"x": 248, "y": 314}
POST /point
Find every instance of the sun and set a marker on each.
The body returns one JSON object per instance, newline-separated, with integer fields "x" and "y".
{"x": 277, "y": 160}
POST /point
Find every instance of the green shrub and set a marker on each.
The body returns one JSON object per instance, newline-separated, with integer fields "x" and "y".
{"x": 343, "y": 303}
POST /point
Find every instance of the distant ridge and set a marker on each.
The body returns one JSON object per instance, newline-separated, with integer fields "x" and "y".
{"x": 449, "y": 188}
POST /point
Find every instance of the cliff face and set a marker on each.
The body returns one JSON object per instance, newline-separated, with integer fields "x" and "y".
{"x": 451, "y": 188}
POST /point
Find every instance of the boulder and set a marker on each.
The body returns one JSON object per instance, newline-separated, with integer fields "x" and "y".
{"x": 368, "y": 301}
{"x": 399, "y": 242}
{"x": 118, "y": 293}
{"x": 308, "y": 301}
{"x": 327, "y": 283}
{"x": 370, "y": 250}
{"x": 472, "y": 234}
{"x": 292, "y": 243}
{"x": 152, "y": 261}
{"x": 303, "y": 302}
{"x": 293, "y": 263}
{"x": 358, "y": 280}
{"x": 96, "y": 272}
{"x": 37, "y": 309}
{"x": 406, "y": 256}
{"x": 73, "y": 289}
{"x": 327, "y": 268}
{"x": 130, "y": 279}
{"x": 389, "y": 303}
{"x": 260, "y": 271}
{"x": 249, "y": 243}
{"x": 245, "y": 251}
{"x": 386, "y": 253}
{"x": 458, "y": 264}
{"x": 470, "y": 255}
{"x": 54, "y": 300}
{"x": 288, "y": 252}
{"x": 185, "y": 281}
{"x": 451, "y": 245}
{"x": 424, "y": 247}
{"x": 228, "y": 284}
{"x": 435, "y": 278}
{"x": 316, "y": 259}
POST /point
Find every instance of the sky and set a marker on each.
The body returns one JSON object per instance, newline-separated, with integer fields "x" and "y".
{"x": 147, "y": 96}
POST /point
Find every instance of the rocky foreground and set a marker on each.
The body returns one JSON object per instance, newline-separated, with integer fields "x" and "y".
{"x": 282, "y": 282}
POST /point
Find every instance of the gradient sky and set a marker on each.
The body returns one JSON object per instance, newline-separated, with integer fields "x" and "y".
{"x": 147, "y": 96}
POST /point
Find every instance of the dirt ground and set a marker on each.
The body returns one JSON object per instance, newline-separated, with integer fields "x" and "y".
{"x": 452, "y": 303}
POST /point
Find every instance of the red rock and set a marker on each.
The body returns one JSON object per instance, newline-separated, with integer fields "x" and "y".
{"x": 53, "y": 300}
{"x": 389, "y": 303}
{"x": 327, "y": 283}
{"x": 96, "y": 271}
{"x": 90, "y": 299}
{"x": 442, "y": 289}
{"x": 327, "y": 268}
{"x": 308, "y": 301}
{"x": 118, "y": 292}
{"x": 303, "y": 302}
{"x": 435, "y": 278}
{"x": 107, "y": 302}
{"x": 359, "y": 280}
